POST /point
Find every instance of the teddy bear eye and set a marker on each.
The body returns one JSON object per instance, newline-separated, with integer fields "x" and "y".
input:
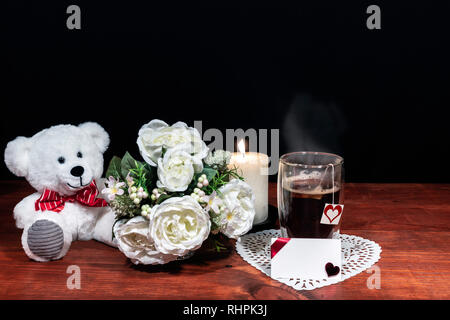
{"x": 79, "y": 154}
{"x": 61, "y": 160}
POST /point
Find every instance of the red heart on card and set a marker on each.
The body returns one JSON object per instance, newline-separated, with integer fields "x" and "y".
{"x": 332, "y": 211}
{"x": 331, "y": 269}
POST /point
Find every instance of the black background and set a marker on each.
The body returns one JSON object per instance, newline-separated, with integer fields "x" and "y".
{"x": 313, "y": 70}
{"x": 276, "y": 309}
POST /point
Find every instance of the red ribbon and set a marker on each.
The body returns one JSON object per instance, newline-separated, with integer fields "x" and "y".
{"x": 51, "y": 200}
{"x": 277, "y": 245}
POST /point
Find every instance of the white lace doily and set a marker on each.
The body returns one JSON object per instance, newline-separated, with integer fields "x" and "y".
{"x": 358, "y": 254}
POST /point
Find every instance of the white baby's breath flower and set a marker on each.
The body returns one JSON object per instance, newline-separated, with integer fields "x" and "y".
{"x": 156, "y": 135}
{"x": 178, "y": 225}
{"x": 176, "y": 169}
{"x": 219, "y": 159}
{"x": 133, "y": 240}
{"x": 239, "y": 212}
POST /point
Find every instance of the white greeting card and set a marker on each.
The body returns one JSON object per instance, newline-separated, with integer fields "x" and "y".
{"x": 306, "y": 258}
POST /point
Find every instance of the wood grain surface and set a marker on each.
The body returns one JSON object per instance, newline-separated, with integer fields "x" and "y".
{"x": 409, "y": 221}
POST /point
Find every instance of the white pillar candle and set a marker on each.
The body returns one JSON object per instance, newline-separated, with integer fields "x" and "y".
{"x": 253, "y": 166}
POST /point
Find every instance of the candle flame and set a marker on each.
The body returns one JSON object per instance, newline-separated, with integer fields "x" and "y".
{"x": 241, "y": 147}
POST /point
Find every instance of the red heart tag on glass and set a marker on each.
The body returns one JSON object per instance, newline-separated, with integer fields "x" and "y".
{"x": 332, "y": 213}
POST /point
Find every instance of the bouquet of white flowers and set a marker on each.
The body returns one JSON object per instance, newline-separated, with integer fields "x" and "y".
{"x": 167, "y": 206}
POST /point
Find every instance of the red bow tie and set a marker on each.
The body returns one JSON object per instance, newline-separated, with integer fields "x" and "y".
{"x": 51, "y": 200}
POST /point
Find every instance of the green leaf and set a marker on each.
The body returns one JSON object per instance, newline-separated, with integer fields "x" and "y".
{"x": 150, "y": 172}
{"x": 163, "y": 197}
{"x": 163, "y": 151}
{"x": 127, "y": 163}
{"x": 114, "y": 168}
{"x": 210, "y": 173}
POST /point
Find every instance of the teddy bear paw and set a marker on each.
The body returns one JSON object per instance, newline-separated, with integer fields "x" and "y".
{"x": 45, "y": 239}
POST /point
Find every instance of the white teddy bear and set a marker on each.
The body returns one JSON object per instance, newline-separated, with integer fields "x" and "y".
{"x": 63, "y": 164}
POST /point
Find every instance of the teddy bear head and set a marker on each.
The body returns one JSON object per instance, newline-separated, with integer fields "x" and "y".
{"x": 63, "y": 158}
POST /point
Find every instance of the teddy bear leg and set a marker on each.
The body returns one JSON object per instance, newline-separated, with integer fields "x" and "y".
{"x": 46, "y": 238}
{"x": 104, "y": 226}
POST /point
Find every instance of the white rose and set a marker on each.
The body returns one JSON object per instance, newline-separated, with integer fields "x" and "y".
{"x": 239, "y": 212}
{"x": 157, "y": 134}
{"x": 132, "y": 239}
{"x": 178, "y": 225}
{"x": 176, "y": 169}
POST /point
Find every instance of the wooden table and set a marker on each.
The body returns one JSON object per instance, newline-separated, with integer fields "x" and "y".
{"x": 409, "y": 221}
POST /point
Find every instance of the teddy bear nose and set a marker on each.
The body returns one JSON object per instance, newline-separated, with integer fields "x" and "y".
{"x": 77, "y": 171}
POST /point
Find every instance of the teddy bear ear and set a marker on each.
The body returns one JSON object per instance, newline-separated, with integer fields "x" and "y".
{"x": 17, "y": 153}
{"x": 96, "y": 131}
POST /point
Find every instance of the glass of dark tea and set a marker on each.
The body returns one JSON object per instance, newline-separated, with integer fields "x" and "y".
{"x": 306, "y": 182}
